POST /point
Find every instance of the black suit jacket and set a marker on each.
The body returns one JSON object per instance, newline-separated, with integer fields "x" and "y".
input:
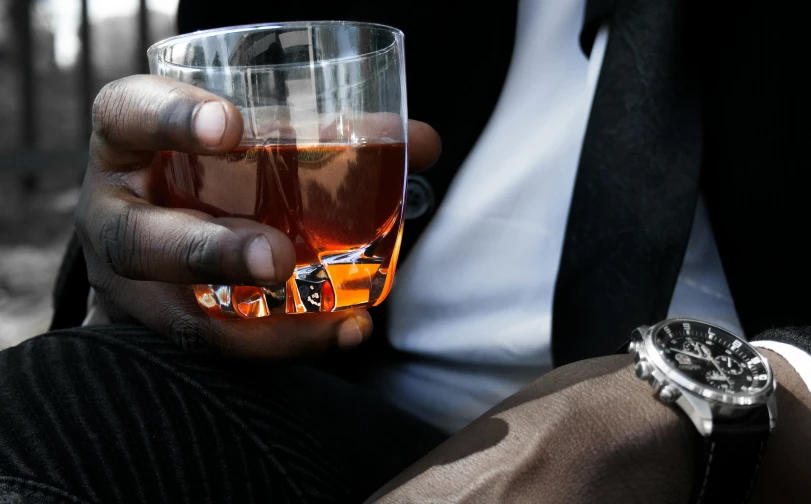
{"x": 755, "y": 172}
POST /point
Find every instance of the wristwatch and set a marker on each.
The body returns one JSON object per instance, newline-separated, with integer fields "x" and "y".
{"x": 726, "y": 388}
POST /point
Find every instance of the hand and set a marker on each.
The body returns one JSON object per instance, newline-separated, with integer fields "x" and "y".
{"x": 141, "y": 258}
{"x": 590, "y": 432}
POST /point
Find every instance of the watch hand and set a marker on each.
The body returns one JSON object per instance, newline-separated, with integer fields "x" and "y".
{"x": 708, "y": 356}
{"x": 705, "y": 351}
{"x": 689, "y": 354}
{"x": 717, "y": 367}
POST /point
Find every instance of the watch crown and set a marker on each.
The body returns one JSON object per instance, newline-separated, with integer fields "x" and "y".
{"x": 643, "y": 370}
{"x": 668, "y": 394}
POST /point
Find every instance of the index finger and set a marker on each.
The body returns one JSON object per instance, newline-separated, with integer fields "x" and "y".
{"x": 147, "y": 113}
{"x": 142, "y": 114}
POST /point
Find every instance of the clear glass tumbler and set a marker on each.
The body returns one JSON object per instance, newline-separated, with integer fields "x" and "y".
{"x": 322, "y": 158}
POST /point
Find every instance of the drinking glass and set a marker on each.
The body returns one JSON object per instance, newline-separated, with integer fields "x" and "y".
{"x": 322, "y": 157}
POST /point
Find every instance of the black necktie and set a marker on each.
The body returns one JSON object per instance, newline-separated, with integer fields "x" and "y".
{"x": 637, "y": 182}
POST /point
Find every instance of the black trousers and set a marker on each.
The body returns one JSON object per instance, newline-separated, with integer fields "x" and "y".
{"x": 118, "y": 414}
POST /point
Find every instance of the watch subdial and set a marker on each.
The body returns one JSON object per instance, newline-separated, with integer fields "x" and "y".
{"x": 729, "y": 365}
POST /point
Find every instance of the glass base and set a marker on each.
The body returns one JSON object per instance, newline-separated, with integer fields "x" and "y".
{"x": 341, "y": 282}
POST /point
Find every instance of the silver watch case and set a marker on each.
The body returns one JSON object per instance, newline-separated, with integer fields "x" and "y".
{"x": 700, "y": 403}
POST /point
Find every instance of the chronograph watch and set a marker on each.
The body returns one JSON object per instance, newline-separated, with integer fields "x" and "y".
{"x": 725, "y": 387}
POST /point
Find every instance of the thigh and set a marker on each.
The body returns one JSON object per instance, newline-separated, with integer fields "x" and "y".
{"x": 117, "y": 414}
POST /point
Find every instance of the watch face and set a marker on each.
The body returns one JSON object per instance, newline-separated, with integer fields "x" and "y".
{"x": 712, "y": 357}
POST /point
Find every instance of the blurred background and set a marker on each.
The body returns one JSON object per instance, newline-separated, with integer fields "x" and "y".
{"x": 55, "y": 55}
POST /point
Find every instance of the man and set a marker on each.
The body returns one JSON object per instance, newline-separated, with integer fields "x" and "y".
{"x": 149, "y": 423}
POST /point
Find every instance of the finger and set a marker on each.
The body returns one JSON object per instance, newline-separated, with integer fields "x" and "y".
{"x": 144, "y": 113}
{"x": 171, "y": 310}
{"x": 144, "y": 242}
{"x": 424, "y": 146}
{"x": 286, "y": 336}
{"x": 276, "y": 336}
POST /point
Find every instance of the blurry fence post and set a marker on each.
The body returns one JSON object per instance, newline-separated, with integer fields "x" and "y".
{"x": 86, "y": 76}
{"x": 21, "y": 15}
{"x": 143, "y": 37}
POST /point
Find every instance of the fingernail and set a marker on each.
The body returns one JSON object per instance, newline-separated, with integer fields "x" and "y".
{"x": 209, "y": 123}
{"x": 259, "y": 258}
{"x": 353, "y": 330}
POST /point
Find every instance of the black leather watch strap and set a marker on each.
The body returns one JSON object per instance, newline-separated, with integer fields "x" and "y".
{"x": 730, "y": 459}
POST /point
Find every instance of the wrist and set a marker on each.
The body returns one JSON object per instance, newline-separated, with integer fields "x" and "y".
{"x": 726, "y": 389}
{"x": 665, "y": 447}
{"x": 629, "y": 441}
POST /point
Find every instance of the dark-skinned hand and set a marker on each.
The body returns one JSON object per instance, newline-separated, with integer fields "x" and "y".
{"x": 141, "y": 258}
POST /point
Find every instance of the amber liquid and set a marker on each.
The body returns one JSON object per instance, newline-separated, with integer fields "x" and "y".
{"x": 341, "y": 205}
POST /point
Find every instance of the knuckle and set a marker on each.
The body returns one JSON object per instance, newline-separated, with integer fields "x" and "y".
{"x": 133, "y": 104}
{"x": 203, "y": 255}
{"x": 190, "y": 333}
{"x": 116, "y": 240}
{"x": 107, "y": 108}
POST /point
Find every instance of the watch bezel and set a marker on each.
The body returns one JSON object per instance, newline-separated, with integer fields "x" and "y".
{"x": 676, "y": 377}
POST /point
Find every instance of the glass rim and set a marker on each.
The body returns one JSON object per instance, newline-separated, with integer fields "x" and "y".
{"x": 260, "y": 27}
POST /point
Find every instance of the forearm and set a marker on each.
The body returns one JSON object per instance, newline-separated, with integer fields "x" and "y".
{"x": 565, "y": 438}
{"x": 592, "y": 432}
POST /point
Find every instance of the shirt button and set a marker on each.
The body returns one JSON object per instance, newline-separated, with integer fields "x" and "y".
{"x": 419, "y": 197}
